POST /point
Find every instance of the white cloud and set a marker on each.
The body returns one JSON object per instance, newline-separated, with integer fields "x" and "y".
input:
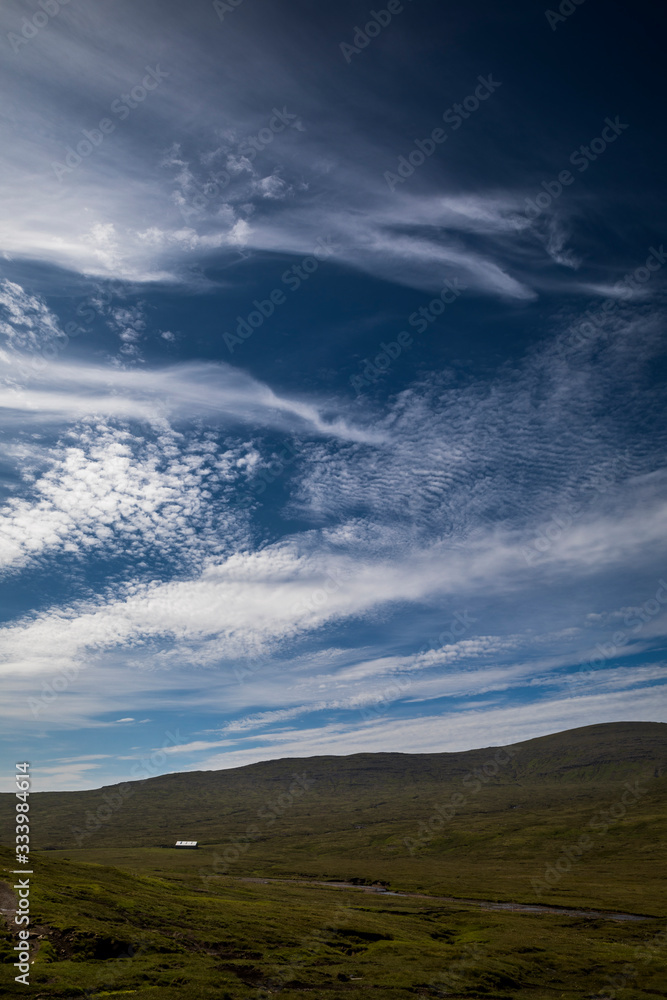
{"x": 251, "y": 601}
{"x": 63, "y": 391}
{"x": 72, "y": 776}
{"x": 446, "y": 731}
{"x": 508, "y": 451}
{"x": 162, "y": 193}
{"x": 112, "y": 492}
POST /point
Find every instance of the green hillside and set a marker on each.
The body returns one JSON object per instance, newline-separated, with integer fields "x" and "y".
{"x": 103, "y": 931}
{"x": 341, "y": 792}
{"x": 574, "y": 819}
{"x": 485, "y": 823}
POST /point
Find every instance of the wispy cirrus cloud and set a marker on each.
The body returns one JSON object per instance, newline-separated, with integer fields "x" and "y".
{"x": 67, "y": 391}
{"x": 253, "y": 601}
{"x": 446, "y": 731}
{"x": 507, "y": 451}
{"x": 276, "y": 197}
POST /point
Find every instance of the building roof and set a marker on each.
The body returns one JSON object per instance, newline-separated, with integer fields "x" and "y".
{"x": 186, "y": 843}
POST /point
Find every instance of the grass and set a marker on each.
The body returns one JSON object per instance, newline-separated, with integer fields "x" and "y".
{"x": 236, "y": 939}
{"x": 136, "y": 919}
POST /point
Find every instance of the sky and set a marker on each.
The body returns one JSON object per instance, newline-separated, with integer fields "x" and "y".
{"x": 331, "y": 379}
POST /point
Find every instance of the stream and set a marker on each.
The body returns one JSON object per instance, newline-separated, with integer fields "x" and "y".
{"x": 484, "y": 904}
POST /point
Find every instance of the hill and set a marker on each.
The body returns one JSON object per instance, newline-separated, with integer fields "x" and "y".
{"x": 334, "y": 792}
{"x": 574, "y": 819}
{"x": 489, "y": 823}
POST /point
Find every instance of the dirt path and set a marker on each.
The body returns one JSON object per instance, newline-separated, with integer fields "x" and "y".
{"x": 8, "y": 911}
{"x": 7, "y": 902}
{"x": 485, "y": 904}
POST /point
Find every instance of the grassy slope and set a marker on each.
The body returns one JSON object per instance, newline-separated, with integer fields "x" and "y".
{"x": 354, "y": 820}
{"x": 208, "y": 805}
{"x": 234, "y": 940}
{"x": 218, "y": 937}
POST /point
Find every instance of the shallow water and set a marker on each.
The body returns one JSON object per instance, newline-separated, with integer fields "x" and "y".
{"x": 485, "y": 904}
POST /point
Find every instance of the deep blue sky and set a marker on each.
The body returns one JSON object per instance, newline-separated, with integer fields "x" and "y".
{"x": 302, "y": 541}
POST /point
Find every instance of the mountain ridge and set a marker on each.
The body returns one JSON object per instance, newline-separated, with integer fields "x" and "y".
{"x": 354, "y": 788}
